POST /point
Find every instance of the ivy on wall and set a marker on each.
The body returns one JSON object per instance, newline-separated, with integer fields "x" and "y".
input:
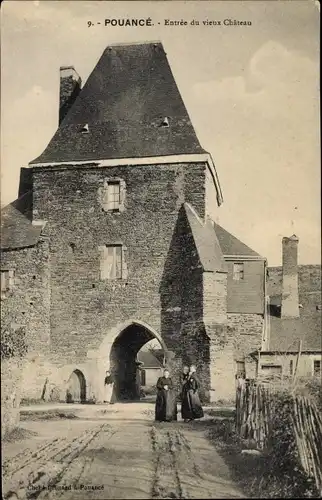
{"x": 13, "y": 341}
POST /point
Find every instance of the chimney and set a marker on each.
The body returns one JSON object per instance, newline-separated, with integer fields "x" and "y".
{"x": 290, "y": 290}
{"x": 70, "y": 86}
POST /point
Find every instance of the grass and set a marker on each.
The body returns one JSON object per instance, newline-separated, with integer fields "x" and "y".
{"x": 18, "y": 434}
{"x": 32, "y": 402}
{"x": 259, "y": 475}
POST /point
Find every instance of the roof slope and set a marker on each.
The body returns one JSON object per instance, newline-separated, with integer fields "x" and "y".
{"x": 16, "y": 229}
{"x": 148, "y": 359}
{"x": 230, "y": 245}
{"x": 285, "y": 333}
{"x": 124, "y": 101}
{"x": 207, "y": 244}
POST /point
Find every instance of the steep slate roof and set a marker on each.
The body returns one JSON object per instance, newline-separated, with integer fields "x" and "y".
{"x": 16, "y": 229}
{"x": 207, "y": 244}
{"x": 230, "y": 245}
{"x": 124, "y": 101}
{"x": 148, "y": 359}
{"x": 285, "y": 333}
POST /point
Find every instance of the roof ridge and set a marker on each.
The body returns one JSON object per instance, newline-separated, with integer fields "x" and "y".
{"x": 125, "y": 44}
{"x": 206, "y": 241}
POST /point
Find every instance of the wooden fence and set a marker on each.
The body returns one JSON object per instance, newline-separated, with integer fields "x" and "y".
{"x": 255, "y": 408}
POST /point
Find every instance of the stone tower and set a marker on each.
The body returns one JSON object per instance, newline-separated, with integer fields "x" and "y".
{"x": 122, "y": 191}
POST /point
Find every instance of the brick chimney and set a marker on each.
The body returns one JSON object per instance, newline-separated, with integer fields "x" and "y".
{"x": 70, "y": 86}
{"x": 290, "y": 290}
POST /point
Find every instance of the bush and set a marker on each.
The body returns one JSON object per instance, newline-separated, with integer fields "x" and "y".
{"x": 311, "y": 388}
{"x": 150, "y": 390}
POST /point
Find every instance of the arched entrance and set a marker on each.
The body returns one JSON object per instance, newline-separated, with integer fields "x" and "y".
{"x": 76, "y": 388}
{"x": 123, "y": 359}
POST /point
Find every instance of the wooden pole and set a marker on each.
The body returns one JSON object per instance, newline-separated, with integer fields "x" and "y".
{"x": 297, "y": 362}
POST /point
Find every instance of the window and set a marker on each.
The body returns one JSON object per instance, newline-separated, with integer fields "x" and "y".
{"x": 240, "y": 368}
{"x": 291, "y": 367}
{"x": 272, "y": 369}
{"x": 111, "y": 262}
{"x": 317, "y": 367}
{"x": 111, "y": 195}
{"x": 143, "y": 377}
{"x": 7, "y": 280}
{"x": 238, "y": 271}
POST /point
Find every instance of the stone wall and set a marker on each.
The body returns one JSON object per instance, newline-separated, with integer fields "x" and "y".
{"x": 182, "y": 298}
{"x": 215, "y": 320}
{"x": 27, "y": 305}
{"x": 85, "y": 309}
{"x": 247, "y": 332}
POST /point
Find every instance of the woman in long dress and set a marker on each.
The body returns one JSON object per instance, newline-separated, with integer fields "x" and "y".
{"x": 191, "y": 407}
{"x": 166, "y": 402}
{"x": 183, "y": 384}
{"x": 108, "y": 387}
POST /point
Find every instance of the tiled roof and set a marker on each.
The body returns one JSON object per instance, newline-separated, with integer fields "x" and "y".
{"x": 148, "y": 359}
{"x": 285, "y": 333}
{"x": 16, "y": 228}
{"x": 230, "y": 245}
{"x": 207, "y": 244}
{"x": 124, "y": 101}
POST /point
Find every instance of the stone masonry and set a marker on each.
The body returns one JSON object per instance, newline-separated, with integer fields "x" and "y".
{"x": 177, "y": 279}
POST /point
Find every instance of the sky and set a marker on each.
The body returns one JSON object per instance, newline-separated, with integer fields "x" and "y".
{"x": 252, "y": 93}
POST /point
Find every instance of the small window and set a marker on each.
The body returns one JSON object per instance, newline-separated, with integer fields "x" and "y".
{"x": 85, "y": 129}
{"x": 317, "y": 367}
{"x": 238, "y": 271}
{"x": 291, "y": 367}
{"x": 143, "y": 377}
{"x": 165, "y": 122}
{"x": 7, "y": 280}
{"x": 111, "y": 262}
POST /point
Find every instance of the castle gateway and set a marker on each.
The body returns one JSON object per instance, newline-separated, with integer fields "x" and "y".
{"x": 110, "y": 243}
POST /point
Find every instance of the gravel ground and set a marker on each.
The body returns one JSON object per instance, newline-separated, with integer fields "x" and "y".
{"x": 112, "y": 452}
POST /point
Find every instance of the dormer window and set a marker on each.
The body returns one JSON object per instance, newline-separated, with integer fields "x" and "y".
{"x": 165, "y": 122}
{"x": 85, "y": 129}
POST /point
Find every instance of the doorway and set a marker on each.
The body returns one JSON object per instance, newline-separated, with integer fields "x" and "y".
{"x": 76, "y": 388}
{"x": 124, "y": 363}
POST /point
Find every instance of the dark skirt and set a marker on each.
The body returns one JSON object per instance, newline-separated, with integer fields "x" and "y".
{"x": 191, "y": 407}
{"x": 166, "y": 406}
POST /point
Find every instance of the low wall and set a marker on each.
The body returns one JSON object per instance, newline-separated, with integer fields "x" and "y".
{"x": 11, "y": 379}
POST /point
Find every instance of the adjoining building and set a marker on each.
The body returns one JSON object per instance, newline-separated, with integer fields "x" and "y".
{"x": 293, "y": 335}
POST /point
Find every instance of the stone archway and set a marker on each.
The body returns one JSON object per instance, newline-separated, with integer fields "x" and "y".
{"x": 123, "y": 354}
{"x": 76, "y": 388}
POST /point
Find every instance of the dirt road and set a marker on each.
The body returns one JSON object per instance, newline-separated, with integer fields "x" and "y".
{"x": 115, "y": 453}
